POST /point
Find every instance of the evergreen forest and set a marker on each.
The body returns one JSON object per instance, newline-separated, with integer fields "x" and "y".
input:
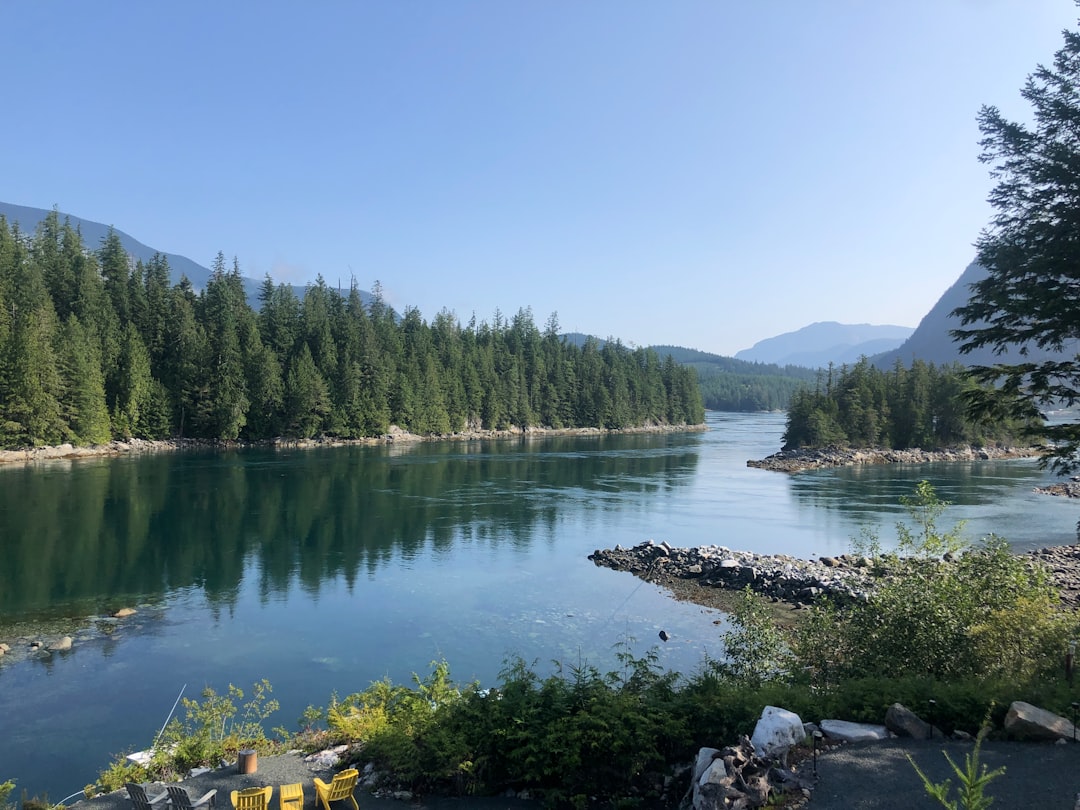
{"x": 728, "y": 384}
{"x": 922, "y": 406}
{"x": 95, "y": 348}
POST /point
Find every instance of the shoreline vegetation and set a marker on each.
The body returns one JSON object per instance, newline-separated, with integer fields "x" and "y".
{"x": 394, "y": 435}
{"x": 807, "y": 458}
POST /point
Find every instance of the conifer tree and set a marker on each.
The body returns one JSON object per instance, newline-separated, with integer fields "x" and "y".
{"x": 1029, "y": 297}
{"x": 84, "y": 408}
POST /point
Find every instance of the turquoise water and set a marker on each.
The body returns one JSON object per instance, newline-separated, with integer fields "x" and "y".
{"x": 323, "y": 570}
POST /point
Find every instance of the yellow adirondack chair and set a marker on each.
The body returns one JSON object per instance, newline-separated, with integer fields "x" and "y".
{"x": 254, "y": 798}
{"x": 339, "y": 789}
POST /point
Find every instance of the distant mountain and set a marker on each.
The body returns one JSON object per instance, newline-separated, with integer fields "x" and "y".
{"x": 93, "y": 233}
{"x": 932, "y": 342}
{"x": 817, "y": 345}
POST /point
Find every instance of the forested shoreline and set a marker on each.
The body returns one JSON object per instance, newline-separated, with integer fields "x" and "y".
{"x": 924, "y": 406}
{"x": 94, "y": 348}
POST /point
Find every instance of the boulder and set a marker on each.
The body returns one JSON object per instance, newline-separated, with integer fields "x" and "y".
{"x": 1027, "y": 722}
{"x": 123, "y": 612}
{"x": 714, "y": 774}
{"x": 903, "y": 722}
{"x": 777, "y": 730}
{"x": 62, "y": 645}
{"x": 853, "y": 732}
{"x": 705, "y": 757}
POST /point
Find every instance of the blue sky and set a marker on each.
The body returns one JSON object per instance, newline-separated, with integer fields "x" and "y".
{"x": 705, "y": 174}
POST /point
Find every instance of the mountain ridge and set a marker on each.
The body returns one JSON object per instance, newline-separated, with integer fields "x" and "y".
{"x": 932, "y": 343}
{"x": 826, "y": 342}
{"x": 94, "y": 233}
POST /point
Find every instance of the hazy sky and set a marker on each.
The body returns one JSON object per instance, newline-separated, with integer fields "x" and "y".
{"x": 705, "y": 174}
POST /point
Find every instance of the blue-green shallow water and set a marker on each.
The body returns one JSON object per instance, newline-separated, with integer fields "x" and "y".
{"x": 323, "y": 570}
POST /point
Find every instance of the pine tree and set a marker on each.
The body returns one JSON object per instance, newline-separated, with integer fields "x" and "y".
{"x": 83, "y": 382}
{"x": 1029, "y": 297}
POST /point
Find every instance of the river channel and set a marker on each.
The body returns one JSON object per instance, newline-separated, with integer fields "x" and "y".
{"x": 324, "y": 570}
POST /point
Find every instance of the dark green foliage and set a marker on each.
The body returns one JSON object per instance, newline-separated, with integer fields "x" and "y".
{"x": 87, "y": 337}
{"x": 862, "y": 406}
{"x": 728, "y": 384}
{"x": 574, "y": 734}
{"x": 986, "y": 614}
{"x": 1028, "y": 302}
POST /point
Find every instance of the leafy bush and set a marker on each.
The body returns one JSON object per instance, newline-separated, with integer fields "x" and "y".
{"x": 210, "y": 733}
{"x": 756, "y": 648}
{"x": 986, "y": 613}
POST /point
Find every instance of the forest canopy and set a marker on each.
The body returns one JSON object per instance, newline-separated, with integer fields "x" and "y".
{"x": 862, "y": 406}
{"x": 94, "y": 347}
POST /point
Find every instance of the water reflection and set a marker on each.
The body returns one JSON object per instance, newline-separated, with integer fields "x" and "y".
{"x": 108, "y": 529}
{"x": 988, "y": 496}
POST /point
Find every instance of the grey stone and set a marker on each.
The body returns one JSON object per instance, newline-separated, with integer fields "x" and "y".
{"x": 903, "y": 722}
{"x": 1027, "y": 722}
{"x": 853, "y": 732}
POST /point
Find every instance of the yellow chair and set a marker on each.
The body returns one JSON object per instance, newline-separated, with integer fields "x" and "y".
{"x": 339, "y": 789}
{"x": 254, "y": 798}
{"x": 291, "y": 796}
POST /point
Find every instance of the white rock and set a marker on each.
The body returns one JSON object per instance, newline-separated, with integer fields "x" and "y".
{"x": 853, "y": 732}
{"x": 776, "y": 731}
{"x": 705, "y": 757}
{"x": 715, "y": 773}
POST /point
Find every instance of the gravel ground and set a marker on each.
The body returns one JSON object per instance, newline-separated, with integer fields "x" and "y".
{"x": 281, "y": 769}
{"x": 284, "y": 769}
{"x": 878, "y": 776}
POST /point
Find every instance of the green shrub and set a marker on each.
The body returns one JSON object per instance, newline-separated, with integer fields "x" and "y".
{"x": 212, "y": 731}
{"x": 988, "y": 613}
{"x": 756, "y": 650}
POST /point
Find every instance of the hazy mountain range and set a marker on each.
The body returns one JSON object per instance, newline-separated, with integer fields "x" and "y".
{"x": 819, "y": 344}
{"x": 93, "y": 233}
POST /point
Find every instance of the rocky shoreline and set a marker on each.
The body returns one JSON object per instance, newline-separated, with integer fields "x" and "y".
{"x": 704, "y": 574}
{"x": 393, "y": 436}
{"x": 792, "y": 461}
{"x": 1069, "y": 489}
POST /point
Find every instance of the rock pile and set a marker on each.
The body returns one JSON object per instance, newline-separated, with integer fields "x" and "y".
{"x": 1063, "y": 562}
{"x": 780, "y": 577}
{"x": 738, "y": 778}
{"x": 843, "y": 579}
{"x": 1069, "y": 489}
{"x": 818, "y": 458}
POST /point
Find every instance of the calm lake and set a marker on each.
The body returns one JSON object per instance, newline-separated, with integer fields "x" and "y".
{"x": 323, "y": 570}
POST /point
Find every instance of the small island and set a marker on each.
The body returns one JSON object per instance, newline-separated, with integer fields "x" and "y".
{"x": 863, "y": 415}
